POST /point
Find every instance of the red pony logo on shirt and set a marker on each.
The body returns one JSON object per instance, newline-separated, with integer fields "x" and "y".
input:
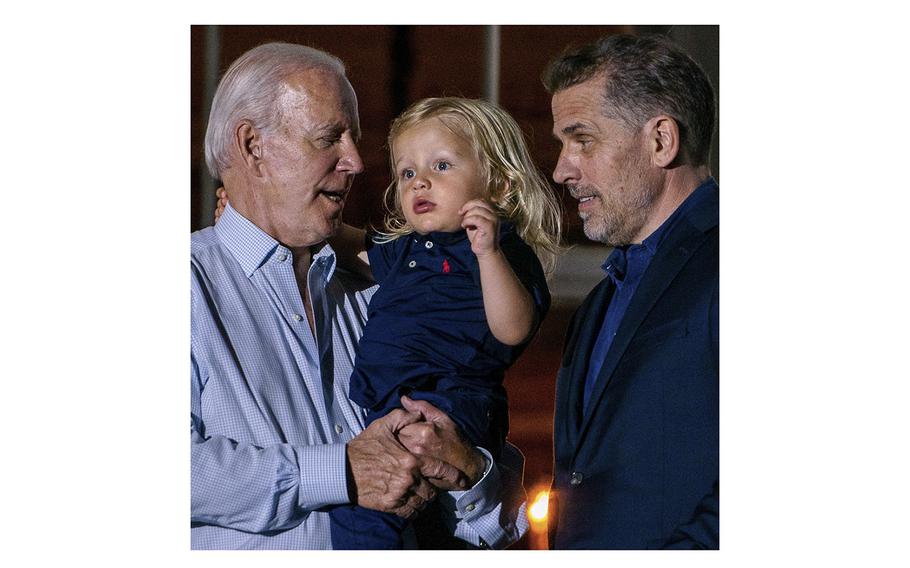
{"x": 445, "y": 266}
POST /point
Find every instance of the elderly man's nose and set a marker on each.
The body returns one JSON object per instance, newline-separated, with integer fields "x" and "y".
{"x": 351, "y": 161}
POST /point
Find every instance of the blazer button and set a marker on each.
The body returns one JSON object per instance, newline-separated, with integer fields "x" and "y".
{"x": 577, "y": 478}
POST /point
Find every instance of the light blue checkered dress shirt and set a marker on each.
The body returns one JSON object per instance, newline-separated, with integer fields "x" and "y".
{"x": 270, "y": 414}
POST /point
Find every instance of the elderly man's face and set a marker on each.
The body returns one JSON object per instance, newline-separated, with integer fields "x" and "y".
{"x": 311, "y": 160}
{"x": 605, "y": 166}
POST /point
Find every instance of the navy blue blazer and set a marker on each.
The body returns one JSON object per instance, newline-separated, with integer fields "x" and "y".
{"x": 641, "y": 469}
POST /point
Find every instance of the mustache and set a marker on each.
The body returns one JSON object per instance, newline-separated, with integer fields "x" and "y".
{"x": 579, "y": 191}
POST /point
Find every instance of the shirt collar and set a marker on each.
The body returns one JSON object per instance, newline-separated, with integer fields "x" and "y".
{"x": 444, "y": 238}
{"x": 441, "y": 237}
{"x": 325, "y": 259}
{"x": 252, "y": 247}
{"x": 616, "y": 264}
{"x": 249, "y": 244}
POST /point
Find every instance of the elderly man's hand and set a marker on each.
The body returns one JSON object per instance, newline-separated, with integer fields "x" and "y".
{"x": 438, "y": 437}
{"x": 222, "y": 202}
{"x": 386, "y": 477}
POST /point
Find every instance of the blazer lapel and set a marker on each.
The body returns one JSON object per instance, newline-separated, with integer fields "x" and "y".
{"x": 680, "y": 244}
{"x": 577, "y": 355}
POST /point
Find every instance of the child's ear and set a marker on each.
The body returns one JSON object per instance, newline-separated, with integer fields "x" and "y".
{"x": 499, "y": 187}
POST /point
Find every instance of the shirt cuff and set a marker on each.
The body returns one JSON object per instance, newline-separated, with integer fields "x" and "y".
{"x": 323, "y": 476}
{"x": 477, "y": 510}
{"x": 479, "y": 499}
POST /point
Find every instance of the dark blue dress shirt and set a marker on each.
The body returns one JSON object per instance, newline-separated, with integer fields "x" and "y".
{"x": 625, "y": 266}
{"x": 427, "y": 334}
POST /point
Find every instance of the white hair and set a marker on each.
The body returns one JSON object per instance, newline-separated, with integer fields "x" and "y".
{"x": 250, "y": 90}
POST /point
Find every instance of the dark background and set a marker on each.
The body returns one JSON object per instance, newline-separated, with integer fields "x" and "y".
{"x": 393, "y": 66}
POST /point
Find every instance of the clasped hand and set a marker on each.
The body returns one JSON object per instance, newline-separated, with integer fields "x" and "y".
{"x": 400, "y": 461}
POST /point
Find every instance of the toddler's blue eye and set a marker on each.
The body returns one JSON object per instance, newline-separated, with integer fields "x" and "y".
{"x": 407, "y": 174}
{"x": 442, "y": 166}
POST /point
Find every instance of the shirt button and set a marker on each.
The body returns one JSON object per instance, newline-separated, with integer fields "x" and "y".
{"x": 282, "y": 257}
{"x": 470, "y": 507}
{"x": 338, "y": 429}
{"x": 429, "y": 244}
{"x": 577, "y": 478}
{"x": 412, "y": 264}
{"x": 297, "y": 317}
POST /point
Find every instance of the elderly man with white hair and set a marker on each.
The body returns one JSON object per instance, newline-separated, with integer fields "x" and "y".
{"x": 276, "y": 442}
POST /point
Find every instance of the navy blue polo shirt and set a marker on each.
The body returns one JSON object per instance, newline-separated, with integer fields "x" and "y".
{"x": 427, "y": 334}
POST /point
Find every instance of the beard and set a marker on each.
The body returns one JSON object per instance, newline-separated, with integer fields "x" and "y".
{"x": 620, "y": 217}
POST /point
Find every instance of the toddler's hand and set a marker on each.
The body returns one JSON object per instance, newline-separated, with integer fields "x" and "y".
{"x": 222, "y": 202}
{"x": 482, "y": 225}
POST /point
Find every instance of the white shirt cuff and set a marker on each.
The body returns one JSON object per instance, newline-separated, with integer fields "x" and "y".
{"x": 323, "y": 475}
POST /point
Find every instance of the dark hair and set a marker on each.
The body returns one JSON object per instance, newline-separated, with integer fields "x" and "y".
{"x": 647, "y": 76}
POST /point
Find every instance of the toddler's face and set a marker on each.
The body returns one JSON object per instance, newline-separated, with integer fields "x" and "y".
{"x": 438, "y": 172}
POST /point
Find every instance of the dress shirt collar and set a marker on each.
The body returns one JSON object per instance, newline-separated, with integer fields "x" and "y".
{"x": 252, "y": 247}
{"x": 616, "y": 264}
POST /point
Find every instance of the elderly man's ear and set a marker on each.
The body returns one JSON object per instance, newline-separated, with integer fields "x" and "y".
{"x": 248, "y": 142}
{"x": 663, "y": 137}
